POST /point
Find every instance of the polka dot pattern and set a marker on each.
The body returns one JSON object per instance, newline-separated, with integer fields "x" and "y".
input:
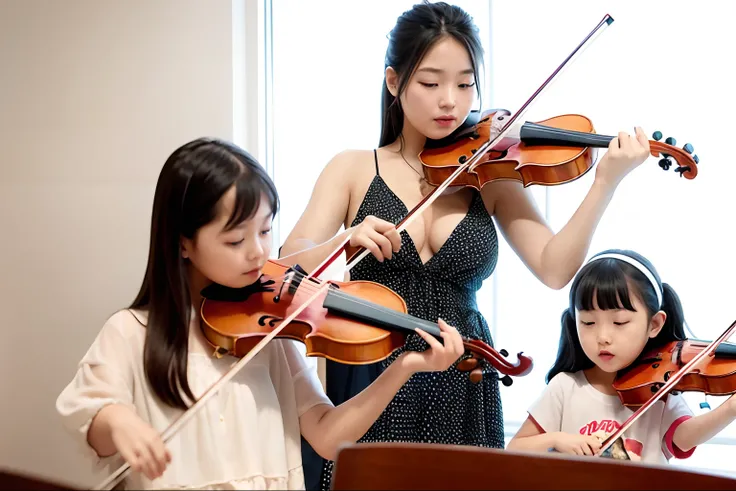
{"x": 433, "y": 407}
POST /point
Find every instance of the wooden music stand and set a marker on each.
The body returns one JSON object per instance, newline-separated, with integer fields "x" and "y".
{"x": 404, "y": 466}
{"x": 16, "y": 480}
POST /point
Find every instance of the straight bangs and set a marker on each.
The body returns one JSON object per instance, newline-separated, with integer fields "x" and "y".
{"x": 249, "y": 187}
{"x": 605, "y": 280}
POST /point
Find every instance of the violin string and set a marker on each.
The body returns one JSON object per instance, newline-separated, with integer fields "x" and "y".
{"x": 668, "y": 385}
{"x": 309, "y": 287}
{"x": 488, "y": 354}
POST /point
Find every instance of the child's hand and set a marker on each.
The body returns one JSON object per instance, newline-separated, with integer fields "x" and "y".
{"x": 625, "y": 153}
{"x": 139, "y": 444}
{"x": 576, "y": 444}
{"x": 438, "y": 357}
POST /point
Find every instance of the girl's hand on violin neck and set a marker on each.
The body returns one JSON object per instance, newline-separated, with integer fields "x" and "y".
{"x": 625, "y": 152}
{"x": 378, "y": 236}
{"x": 439, "y": 356}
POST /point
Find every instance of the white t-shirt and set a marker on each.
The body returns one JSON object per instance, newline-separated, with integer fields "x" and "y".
{"x": 246, "y": 436}
{"x": 571, "y": 405}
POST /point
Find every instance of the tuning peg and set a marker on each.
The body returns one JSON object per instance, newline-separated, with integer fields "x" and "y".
{"x": 665, "y": 164}
{"x": 504, "y": 352}
{"x": 657, "y": 135}
{"x": 688, "y": 148}
{"x": 670, "y": 141}
{"x": 696, "y": 159}
{"x": 506, "y": 380}
{"x": 682, "y": 169}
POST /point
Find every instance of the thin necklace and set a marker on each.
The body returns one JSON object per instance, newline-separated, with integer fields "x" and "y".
{"x": 421, "y": 177}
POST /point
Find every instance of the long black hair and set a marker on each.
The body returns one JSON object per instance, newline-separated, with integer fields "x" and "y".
{"x": 608, "y": 279}
{"x": 415, "y": 32}
{"x": 190, "y": 185}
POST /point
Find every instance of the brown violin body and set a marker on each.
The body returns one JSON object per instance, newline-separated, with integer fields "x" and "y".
{"x": 353, "y": 322}
{"x": 237, "y": 326}
{"x": 555, "y": 151}
{"x": 716, "y": 376}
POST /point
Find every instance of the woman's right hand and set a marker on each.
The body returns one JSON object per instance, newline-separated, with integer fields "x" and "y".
{"x": 378, "y": 236}
{"x": 576, "y": 444}
{"x": 139, "y": 444}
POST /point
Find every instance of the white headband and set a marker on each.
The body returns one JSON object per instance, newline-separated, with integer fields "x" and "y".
{"x": 645, "y": 271}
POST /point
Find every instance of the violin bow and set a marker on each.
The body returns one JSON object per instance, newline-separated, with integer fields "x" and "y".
{"x": 666, "y": 388}
{"x": 488, "y": 145}
{"x": 175, "y": 426}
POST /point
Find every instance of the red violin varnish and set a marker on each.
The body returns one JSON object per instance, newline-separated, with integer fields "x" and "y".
{"x": 679, "y": 365}
{"x": 715, "y": 377}
{"x": 352, "y": 322}
{"x": 555, "y": 151}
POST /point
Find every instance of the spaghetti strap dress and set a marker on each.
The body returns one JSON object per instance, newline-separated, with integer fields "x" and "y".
{"x": 432, "y": 407}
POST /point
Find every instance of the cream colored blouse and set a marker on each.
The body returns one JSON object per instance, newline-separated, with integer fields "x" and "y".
{"x": 247, "y": 435}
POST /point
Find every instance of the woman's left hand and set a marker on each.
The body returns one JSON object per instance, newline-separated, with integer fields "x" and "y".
{"x": 625, "y": 153}
{"x": 438, "y": 357}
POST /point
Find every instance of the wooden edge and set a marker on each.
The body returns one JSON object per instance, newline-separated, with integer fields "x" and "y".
{"x": 403, "y": 466}
{"x": 14, "y": 479}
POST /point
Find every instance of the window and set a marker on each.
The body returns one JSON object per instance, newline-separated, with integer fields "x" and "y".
{"x": 327, "y": 71}
{"x": 619, "y": 81}
{"x": 328, "y": 65}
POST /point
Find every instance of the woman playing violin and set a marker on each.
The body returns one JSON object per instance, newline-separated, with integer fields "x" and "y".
{"x": 440, "y": 261}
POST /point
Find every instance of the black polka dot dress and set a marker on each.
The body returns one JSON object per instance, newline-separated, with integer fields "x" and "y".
{"x": 433, "y": 407}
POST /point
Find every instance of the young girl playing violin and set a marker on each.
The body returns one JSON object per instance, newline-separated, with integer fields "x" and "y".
{"x": 441, "y": 260}
{"x": 618, "y": 309}
{"x": 211, "y": 223}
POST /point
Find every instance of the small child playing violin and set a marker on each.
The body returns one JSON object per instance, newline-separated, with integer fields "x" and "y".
{"x": 211, "y": 224}
{"x": 619, "y": 308}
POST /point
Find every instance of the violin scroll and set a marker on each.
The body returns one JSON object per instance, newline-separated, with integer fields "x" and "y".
{"x": 687, "y": 161}
{"x": 479, "y": 350}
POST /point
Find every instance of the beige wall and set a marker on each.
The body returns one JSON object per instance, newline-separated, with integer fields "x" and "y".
{"x": 93, "y": 97}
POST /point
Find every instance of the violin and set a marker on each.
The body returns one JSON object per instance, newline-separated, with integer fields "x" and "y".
{"x": 496, "y": 148}
{"x": 688, "y": 365}
{"x": 555, "y": 151}
{"x": 636, "y": 384}
{"x": 351, "y": 322}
